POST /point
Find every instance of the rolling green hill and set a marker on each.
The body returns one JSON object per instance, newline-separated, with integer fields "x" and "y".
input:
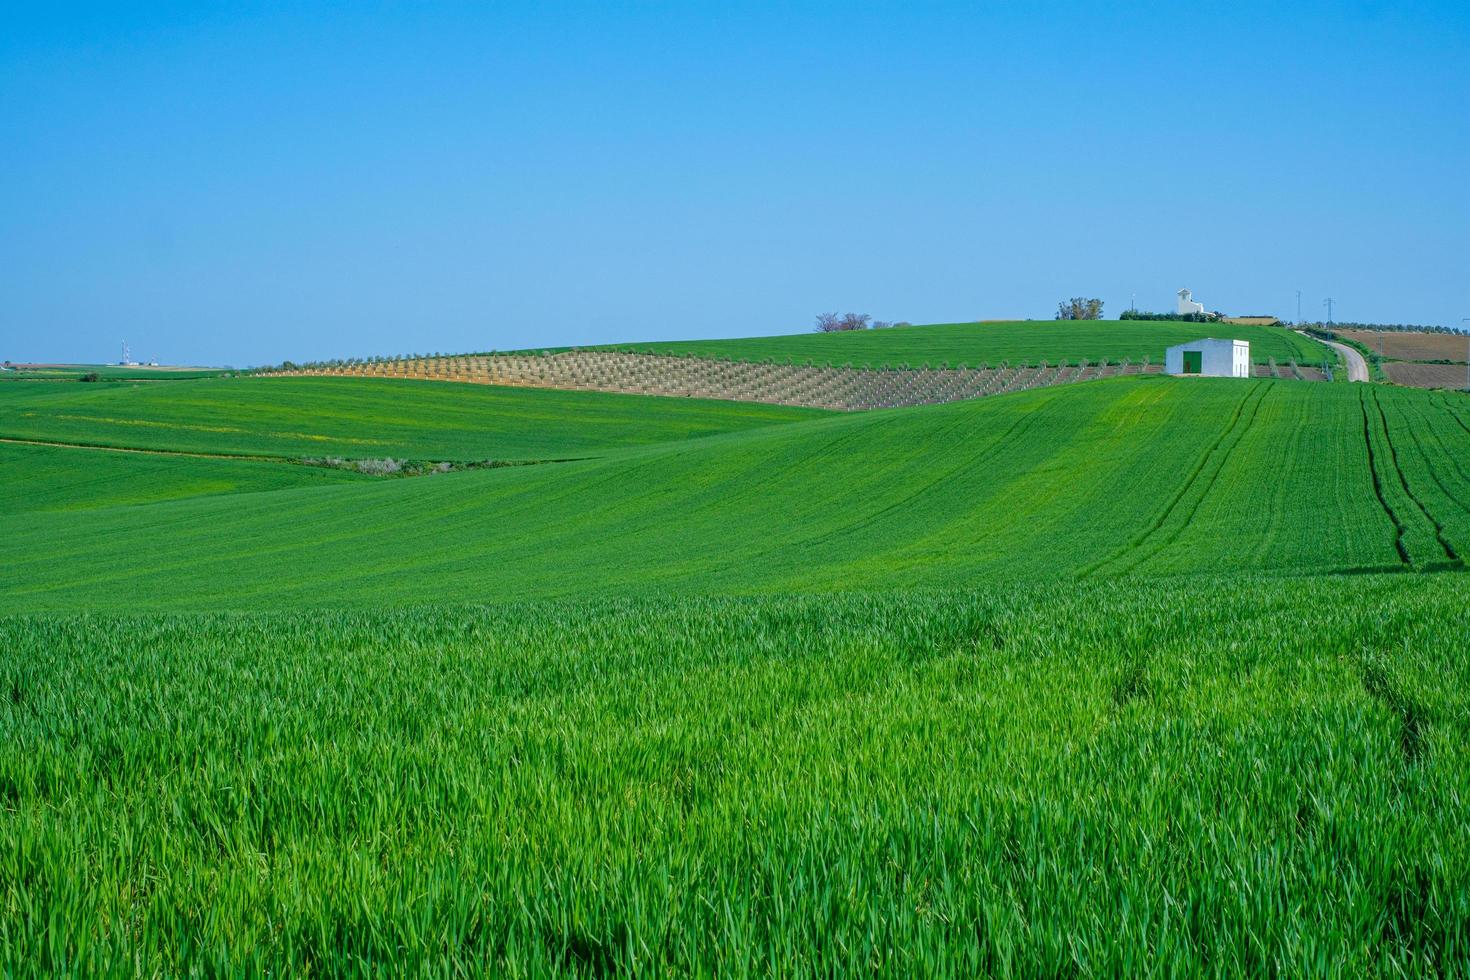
{"x": 363, "y": 418}
{"x": 1128, "y": 476}
{"x": 1030, "y": 342}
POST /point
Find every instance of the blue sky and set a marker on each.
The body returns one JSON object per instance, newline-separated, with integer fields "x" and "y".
{"x": 243, "y": 184}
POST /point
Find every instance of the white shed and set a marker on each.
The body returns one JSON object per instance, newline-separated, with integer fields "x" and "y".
{"x": 1210, "y": 357}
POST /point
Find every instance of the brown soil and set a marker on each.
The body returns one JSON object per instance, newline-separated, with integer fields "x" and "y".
{"x": 1405, "y": 346}
{"x": 1426, "y": 375}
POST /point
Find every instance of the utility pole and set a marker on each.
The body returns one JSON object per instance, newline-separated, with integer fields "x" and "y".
{"x": 1298, "y": 307}
{"x": 1328, "y": 303}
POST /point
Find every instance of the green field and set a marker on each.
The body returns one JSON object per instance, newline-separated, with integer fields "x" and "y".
{"x": 1129, "y": 476}
{"x": 1020, "y": 342}
{"x": 1225, "y": 778}
{"x": 365, "y": 418}
{"x": 1138, "y": 677}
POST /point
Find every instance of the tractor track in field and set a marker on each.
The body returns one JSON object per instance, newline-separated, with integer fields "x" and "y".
{"x": 1449, "y": 549}
{"x": 1209, "y": 485}
{"x": 1398, "y": 525}
{"x": 1448, "y": 453}
{"x": 1215, "y": 475}
{"x": 995, "y": 447}
{"x": 1450, "y": 409}
{"x": 1259, "y": 390}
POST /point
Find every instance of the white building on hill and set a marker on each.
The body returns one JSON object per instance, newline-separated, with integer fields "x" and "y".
{"x": 1187, "y": 305}
{"x": 1210, "y": 358}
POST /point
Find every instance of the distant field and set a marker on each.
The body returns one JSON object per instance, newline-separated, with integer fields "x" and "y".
{"x": 71, "y": 372}
{"x": 359, "y": 418}
{"x": 1110, "y": 478}
{"x": 1032, "y": 341}
{"x": 49, "y": 478}
{"x": 1400, "y": 345}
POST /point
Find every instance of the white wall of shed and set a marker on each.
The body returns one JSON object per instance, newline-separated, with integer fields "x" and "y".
{"x": 1218, "y": 358}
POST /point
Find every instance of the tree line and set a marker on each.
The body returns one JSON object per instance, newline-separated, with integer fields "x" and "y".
{"x": 839, "y": 322}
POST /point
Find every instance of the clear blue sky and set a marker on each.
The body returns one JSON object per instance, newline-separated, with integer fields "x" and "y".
{"x": 239, "y": 185}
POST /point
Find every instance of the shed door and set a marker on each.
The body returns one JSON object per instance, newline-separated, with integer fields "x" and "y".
{"x": 1192, "y": 361}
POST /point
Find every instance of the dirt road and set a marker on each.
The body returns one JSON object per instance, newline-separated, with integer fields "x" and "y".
{"x": 1357, "y": 367}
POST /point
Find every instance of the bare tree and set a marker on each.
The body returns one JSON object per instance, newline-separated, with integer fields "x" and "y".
{"x": 832, "y": 322}
{"x": 1080, "y": 308}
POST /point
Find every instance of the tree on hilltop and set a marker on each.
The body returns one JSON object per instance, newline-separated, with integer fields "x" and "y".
{"x": 1080, "y": 308}
{"x": 833, "y": 323}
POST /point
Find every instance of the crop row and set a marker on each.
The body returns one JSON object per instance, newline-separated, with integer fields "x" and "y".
{"x": 840, "y": 388}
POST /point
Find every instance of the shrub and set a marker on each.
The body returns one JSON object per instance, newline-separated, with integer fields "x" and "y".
{"x": 1184, "y": 317}
{"x": 379, "y": 467}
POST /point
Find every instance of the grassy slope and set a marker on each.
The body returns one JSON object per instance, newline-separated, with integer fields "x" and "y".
{"x": 52, "y": 478}
{"x": 362, "y": 417}
{"x": 1162, "y": 779}
{"x": 1100, "y": 480}
{"x": 972, "y": 343}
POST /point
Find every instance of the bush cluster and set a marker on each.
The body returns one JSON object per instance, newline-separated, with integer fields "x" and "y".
{"x": 1184, "y": 317}
{"x": 404, "y": 467}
